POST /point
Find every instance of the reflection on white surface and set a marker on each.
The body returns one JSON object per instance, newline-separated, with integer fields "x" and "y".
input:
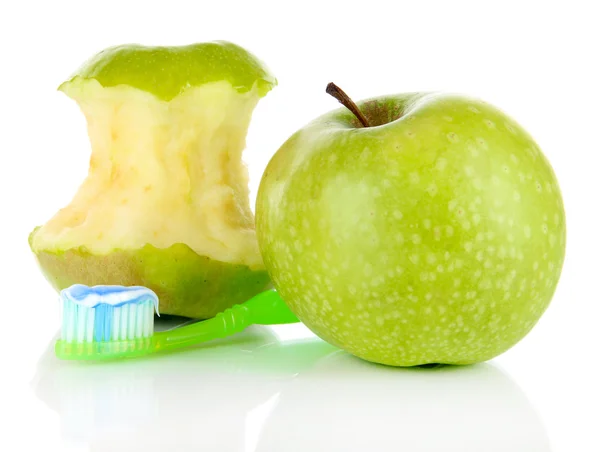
{"x": 254, "y": 392}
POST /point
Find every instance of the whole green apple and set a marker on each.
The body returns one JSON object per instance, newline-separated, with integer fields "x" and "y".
{"x": 434, "y": 235}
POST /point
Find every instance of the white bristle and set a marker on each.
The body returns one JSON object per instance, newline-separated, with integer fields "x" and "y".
{"x": 127, "y": 322}
{"x": 116, "y": 324}
{"x": 132, "y": 319}
{"x": 89, "y": 331}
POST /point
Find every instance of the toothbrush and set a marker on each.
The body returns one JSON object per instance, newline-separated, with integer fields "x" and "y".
{"x": 110, "y": 322}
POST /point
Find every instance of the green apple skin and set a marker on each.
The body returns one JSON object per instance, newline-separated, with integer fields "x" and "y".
{"x": 435, "y": 236}
{"x": 143, "y": 67}
{"x": 187, "y": 284}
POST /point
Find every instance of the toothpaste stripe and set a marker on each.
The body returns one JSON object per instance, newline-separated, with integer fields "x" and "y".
{"x": 113, "y": 295}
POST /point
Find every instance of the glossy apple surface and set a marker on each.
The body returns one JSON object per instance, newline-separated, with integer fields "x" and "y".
{"x": 435, "y": 236}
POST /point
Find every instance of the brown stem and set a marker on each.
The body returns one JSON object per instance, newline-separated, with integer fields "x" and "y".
{"x": 344, "y": 99}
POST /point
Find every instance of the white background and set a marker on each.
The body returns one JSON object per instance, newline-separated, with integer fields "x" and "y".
{"x": 536, "y": 60}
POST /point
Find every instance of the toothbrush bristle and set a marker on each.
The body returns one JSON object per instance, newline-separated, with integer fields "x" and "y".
{"x": 105, "y": 323}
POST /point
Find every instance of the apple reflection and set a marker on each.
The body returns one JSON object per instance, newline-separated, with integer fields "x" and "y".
{"x": 255, "y": 393}
{"x": 345, "y": 404}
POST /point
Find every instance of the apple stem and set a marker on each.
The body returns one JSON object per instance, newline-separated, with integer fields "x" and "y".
{"x": 337, "y": 92}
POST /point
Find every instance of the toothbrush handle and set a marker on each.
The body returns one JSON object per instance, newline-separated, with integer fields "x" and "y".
{"x": 266, "y": 308}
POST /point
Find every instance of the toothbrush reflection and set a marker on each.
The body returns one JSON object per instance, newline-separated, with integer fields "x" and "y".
{"x": 256, "y": 393}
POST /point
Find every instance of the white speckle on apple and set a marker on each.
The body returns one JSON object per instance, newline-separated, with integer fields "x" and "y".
{"x": 414, "y": 258}
{"x": 489, "y": 123}
{"x": 473, "y": 109}
{"x": 427, "y": 223}
{"x": 437, "y": 233}
{"x": 482, "y": 143}
{"x": 399, "y": 237}
{"x": 414, "y": 178}
{"x": 410, "y": 134}
{"x": 510, "y": 128}
{"x": 469, "y": 170}
{"x": 397, "y": 214}
{"x": 416, "y": 239}
{"x": 432, "y": 189}
{"x": 431, "y": 258}
{"x": 441, "y": 164}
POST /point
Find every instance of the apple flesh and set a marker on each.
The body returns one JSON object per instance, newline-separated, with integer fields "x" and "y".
{"x": 165, "y": 203}
{"x": 437, "y": 235}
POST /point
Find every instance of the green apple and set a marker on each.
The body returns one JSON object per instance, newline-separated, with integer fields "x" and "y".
{"x": 165, "y": 203}
{"x": 435, "y": 235}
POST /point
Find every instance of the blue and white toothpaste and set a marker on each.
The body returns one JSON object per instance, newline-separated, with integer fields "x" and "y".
{"x": 107, "y": 313}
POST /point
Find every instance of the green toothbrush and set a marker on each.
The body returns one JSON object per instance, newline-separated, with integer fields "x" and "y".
{"x": 110, "y": 322}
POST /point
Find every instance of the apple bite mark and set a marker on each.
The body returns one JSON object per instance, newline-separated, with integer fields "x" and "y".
{"x": 165, "y": 203}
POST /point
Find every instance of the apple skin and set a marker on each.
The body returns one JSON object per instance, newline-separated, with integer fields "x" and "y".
{"x": 143, "y": 67}
{"x": 435, "y": 236}
{"x": 186, "y": 283}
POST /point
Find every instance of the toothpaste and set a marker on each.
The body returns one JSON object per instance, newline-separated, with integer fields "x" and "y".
{"x": 115, "y": 296}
